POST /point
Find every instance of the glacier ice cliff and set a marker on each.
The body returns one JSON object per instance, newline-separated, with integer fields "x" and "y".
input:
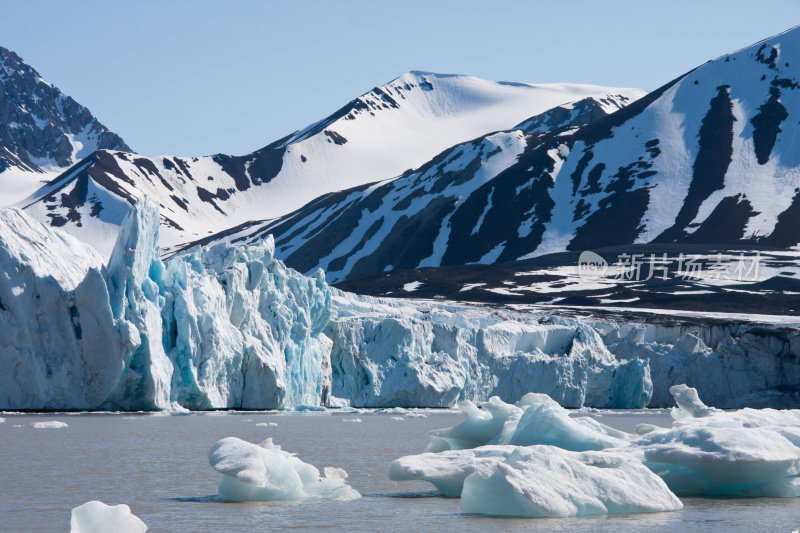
{"x": 225, "y": 327}
{"x": 232, "y": 327}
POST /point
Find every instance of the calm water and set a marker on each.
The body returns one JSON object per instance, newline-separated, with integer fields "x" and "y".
{"x": 158, "y": 466}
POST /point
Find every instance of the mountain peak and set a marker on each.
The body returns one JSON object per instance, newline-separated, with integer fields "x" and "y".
{"x": 42, "y": 130}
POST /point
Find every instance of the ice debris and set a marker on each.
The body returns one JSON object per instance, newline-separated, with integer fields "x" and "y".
{"x": 50, "y": 424}
{"x": 545, "y": 481}
{"x": 535, "y": 419}
{"x": 253, "y": 472}
{"x": 542, "y": 462}
{"x": 97, "y": 517}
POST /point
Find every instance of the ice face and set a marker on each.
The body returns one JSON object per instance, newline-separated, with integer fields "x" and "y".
{"x": 395, "y": 353}
{"x": 231, "y": 327}
{"x": 214, "y": 328}
{"x": 544, "y": 481}
{"x": 97, "y": 517}
{"x": 252, "y": 472}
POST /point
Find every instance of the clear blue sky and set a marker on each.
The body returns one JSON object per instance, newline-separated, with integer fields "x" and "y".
{"x": 199, "y": 77}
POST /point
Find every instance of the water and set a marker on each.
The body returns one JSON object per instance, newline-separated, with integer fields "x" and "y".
{"x": 157, "y": 464}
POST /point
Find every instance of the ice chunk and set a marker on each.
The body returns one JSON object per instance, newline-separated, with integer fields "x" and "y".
{"x": 541, "y": 481}
{"x": 542, "y": 421}
{"x": 535, "y": 419}
{"x": 736, "y": 461}
{"x": 351, "y": 420}
{"x": 447, "y": 470}
{"x": 265, "y": 472}
{"x": 689, "y": 403}
{"x": 97, "y": 517}
{"x": 483, "y": 424}
{"x": 50, "y": 424}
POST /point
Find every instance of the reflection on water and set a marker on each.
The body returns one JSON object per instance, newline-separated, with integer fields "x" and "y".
{"x": 158, "y": 466}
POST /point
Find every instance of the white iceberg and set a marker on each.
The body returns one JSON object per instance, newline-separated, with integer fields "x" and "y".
{"x": 97, "y": 517}
{"x": 252, "y": 472}
{"x": 447, "y": 470}
{"x": 535, "y": 419}
{"x": 481, "y": 426}
{"x": 545, "y": 463}
{"x": 50, "y": 424}
{"x": 544, "y": 481}
{"x": 747, "y": 453}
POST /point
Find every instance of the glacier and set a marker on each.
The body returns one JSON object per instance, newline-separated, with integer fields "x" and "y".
{"x": 225, "y": 327}
{"x": 230, "y": 326}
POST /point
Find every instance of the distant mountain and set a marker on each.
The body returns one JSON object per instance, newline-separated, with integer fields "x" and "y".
{"x": 42, "y": 131}
{"x": 379, "y": 135}
{"x": 709, "y": 158}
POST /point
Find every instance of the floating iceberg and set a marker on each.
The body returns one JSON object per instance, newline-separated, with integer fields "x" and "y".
{"x": 50, "y": 424}
{"x": 447, "y": 470}
{"x": 542, "y": 481}
{"x": 535, "y": 419}
{"x": 252, "y": 472}
{"x": 545, "y": 463}
{"x": 482, "y": 426}
{"x": 748, "y": 452}
{"x": 97, "y": 517}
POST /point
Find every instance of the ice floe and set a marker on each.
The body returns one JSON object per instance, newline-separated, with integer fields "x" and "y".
{"x": 97, "y": 517}
{"x": 256, "y": 472}
{"x": 534, "y": 459}
{"x": 50, "y": 424}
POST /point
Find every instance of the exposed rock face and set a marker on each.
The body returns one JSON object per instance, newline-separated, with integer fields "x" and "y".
{"x": 40, "y": 126}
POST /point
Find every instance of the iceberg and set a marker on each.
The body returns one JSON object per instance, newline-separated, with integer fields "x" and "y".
{"x": 483, "y": 424}
{"x": 51, "y": 424}
{"x": 535, "y": 419}
{"x": 523, "y": 469}
{"x": 252, "y": 472}
{"x": 745, "y": 453}
{"x": 545, "y": 481}
{"x": 97, "y": 517}
{"x": 447, "y": 470}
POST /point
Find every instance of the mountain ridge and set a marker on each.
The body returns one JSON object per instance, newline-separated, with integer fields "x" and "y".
{"x": 378, "y": 135}
{"x": 707, "y": 158}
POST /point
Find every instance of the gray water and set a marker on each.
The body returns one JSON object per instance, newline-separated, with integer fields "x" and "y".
{"x": 157, "y": 464}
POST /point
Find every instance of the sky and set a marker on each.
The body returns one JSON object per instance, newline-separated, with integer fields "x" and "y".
{"x": 196, "y": 77}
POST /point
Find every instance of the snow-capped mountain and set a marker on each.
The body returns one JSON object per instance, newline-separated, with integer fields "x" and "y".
{"x": 42, "y": 131}
{"x": 379, "y": 135}
{"x": 709, "y": 158}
